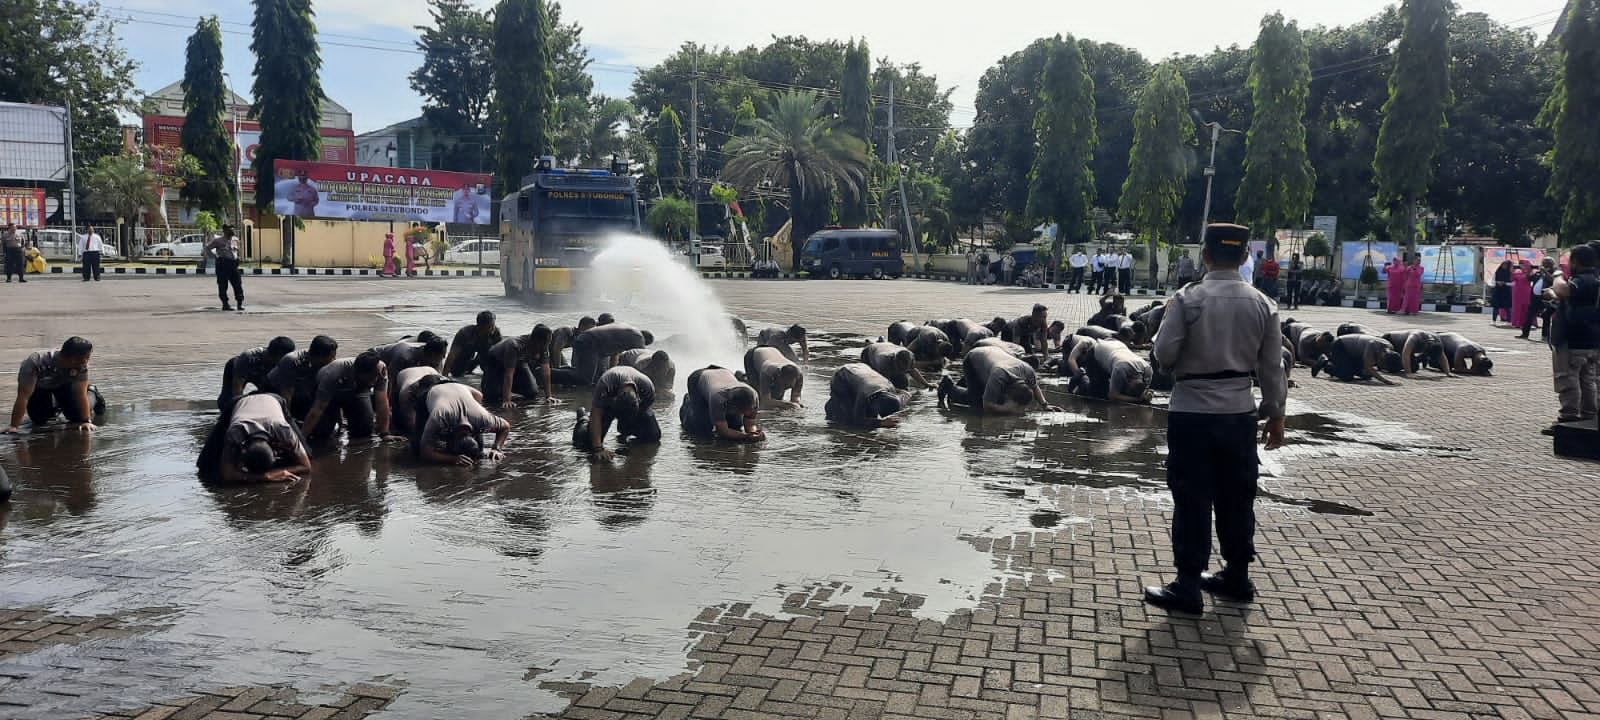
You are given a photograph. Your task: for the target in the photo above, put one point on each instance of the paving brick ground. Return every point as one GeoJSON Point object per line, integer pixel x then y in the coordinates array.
{"type": "Point", "coordinates": [1468, 592]}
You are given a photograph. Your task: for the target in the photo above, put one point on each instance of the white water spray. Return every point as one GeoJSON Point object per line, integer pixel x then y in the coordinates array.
{"type": "Point", "coordinates": [654, 290]}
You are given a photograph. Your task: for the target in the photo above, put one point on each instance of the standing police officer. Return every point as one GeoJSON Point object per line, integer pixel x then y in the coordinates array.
{"type": "Point", "coordinates": [1218, 333]}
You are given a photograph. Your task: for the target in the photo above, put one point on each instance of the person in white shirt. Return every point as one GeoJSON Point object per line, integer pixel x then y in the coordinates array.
{"type": "Point", "coordinates": [1078, 262]}
{"type": "Point", "coordinates": [1008, 266]}
{"type": "Point", "coordinates": [92, 245]}
{"type": "Point", "coordinates": [1097, 266]}
{"type": "Point", "coordinates": [1248, 270]}
{"type": "Point", "coordinates": [1125, 272]}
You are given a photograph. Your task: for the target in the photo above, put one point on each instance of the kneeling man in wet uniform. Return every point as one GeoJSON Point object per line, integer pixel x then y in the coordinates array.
{"type": "Point", "coordinates": [623, 395]}
{"type": "Point", "coordinates": [859, 395]}
{"type": "Point", "coordinates": [1359, 357]}
{"type": "Point", "coordinates": [784, 340]}
{"type": "Point", "coordinates": [772, 374]}
{"type": "Point", "coordinates": [295, 377]}
{"type": "Point", "coordinates": [931, 347]}
{"type": "Point", "coordinates": [252, 367]}
{"type": "Point", "coordinates": [595, 349]}
{"type": "Point", "coordinates": [1417, 349]}
{"type": "Point", "coordinates": [1108, 370]}
{"type": "Point", "coordinates": [1218, 333]}
{"type": "Point", "coordinates": [470, 344]}
{"type": "Point", "coordinates": [456, 421]}
{"type": "Point", "coordinates": [655, 364]}
{"type": "Point", "coordinates": [508, 368]}
{"type": "Point", "coordinates": [254, 441]}
{"type": "Point", "coordinates": [358, 390]}
{"type": "Point", "coordinates": [1466, 357]}
{"type": "Point", "coordinates": [56, 382]}
{"type": "Point", "coordinates": [994, 382]}
{"type": "Point", "coordinates": [719, 405]}
{"type": "Point", "coordinates": [895, 363]}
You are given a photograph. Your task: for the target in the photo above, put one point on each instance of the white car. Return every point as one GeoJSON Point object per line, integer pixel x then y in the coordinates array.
{"type": "Point", "coordinates": [711, 258]}
{"type": "Point", "coordinates": [67, 245]}
{"type": "Point", "coordinates": [185, 246]}
{"type": "Point", "coordinates": [467, 253]}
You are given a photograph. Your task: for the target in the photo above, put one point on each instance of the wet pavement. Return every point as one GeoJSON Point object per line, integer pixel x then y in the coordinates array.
{"type": "Point", "coordinates": [480, 592]}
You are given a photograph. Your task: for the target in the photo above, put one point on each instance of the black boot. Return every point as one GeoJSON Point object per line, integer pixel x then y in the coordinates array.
{"type": "Point", "coordinates": [1231, 583]}
{"type": "Point", "coordinates": [1178, 596]}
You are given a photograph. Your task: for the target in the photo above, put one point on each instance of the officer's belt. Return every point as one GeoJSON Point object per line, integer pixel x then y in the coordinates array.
{"type": "Point", "coordinates": [1223, 375]}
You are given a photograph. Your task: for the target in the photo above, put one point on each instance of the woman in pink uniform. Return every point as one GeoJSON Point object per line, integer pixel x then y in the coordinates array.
{"type": "Point", "coordinates": [1395, 272]}
{"type": "Point", "coordinates": [411, 258]}
{"type": "Point", "coordinates": [1521, 293]}
{"type": "Point", "coordinates": [389, 267]}
{"type": "Point", "coordinates": [1414, 285]}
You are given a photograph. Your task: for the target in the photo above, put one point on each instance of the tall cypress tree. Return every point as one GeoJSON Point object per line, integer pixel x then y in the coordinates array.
{"type": "Point", "coordinates": [287, 89]}
{"type": "Point", "coordinates": [1278, 179]}
{"type": "Point", "coordinates": [855, 95]}
{"type": "Point", "coordinates": [524, 86]}
{"type": "Point", "coordinates": [205, 133]}
{"type": "Point", "coordinates": [669, 151]}
{"type": "Point", "coordinates": [1571, 111]}
{"type": "Point", "coordinates": [1414, 116]}
{"type": "Point", "coordinates": [1061, 185]}
{"type": "Point", "coordinates": [1158, 166]}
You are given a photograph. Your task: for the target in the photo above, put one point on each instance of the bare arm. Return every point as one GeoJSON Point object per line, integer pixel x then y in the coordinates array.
{"type": "Point", "coordinates": [544, 379]}
{"type": "Point", "coordinates": [380, 407]}
{"type": "Point", "coordinates": [314, 416]}
{"type": "Point", "coordinates": [432, 455]}
{"type": "Point", "coordinates": [450, 357]}
{"type": "Point", "coordinates": [597, 438]}
{"type": "Point", "coordinates": [1405, 355]}
{"type": "Point", "coordinates": [83, 401]}
{"type": "Point", "coordinates": [20, 407]}
{"type": "Point", "coordinates": [794, 392]}
{"type": "Point", "coordinates": [506, 402]}
{"type": "Point", "coordinates": [917, 376]}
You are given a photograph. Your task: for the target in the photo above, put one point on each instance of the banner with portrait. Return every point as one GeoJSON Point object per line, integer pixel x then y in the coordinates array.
{"type": "Point", "coordinates": [352, 192]}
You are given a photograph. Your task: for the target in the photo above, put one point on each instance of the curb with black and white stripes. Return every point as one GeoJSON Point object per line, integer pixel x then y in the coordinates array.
{"type": "Point", "coordinates": [352, 272]}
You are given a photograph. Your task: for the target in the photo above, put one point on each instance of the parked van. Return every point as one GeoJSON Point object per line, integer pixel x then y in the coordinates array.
{"type": "Point", "coordinates": [837, 254]}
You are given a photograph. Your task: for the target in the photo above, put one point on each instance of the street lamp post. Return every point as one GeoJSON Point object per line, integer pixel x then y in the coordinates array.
{"type": "Point", "coordinates": [391, 153]}
{"type": "Point", "coordinates": [1211, 174]}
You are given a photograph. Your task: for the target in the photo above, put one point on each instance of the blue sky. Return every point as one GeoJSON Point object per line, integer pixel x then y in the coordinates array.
{"type": "Point", "coordinates": [368, 45]}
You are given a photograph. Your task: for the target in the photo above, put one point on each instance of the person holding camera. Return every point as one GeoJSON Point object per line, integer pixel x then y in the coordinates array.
{"type": "Point", "coordinates": [1575, 337]}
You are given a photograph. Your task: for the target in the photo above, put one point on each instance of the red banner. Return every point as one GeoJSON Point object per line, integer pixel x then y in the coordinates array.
{"type": "Point", "coordinates": [350, 192]}
{"type": "Point", "coordinates": [23, 207]}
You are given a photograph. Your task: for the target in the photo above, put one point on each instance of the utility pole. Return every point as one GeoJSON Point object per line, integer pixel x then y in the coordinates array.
{"type": "Point", "coordinates": [70, 196]}
{"type": "Point", "coordinates": [694, 138]}
{"type": "Point", "coordinates": [894, 162]}
{"type": "Point", "coordinates": [1211, 174]}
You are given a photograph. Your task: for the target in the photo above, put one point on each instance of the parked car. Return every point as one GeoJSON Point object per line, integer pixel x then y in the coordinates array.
{"type": "Point", "coordinates": [467, 253]}
{"type": "Point", "coordinates": [835, 254]}
{"type": "Point", "coordinates": [57, 244]}
{"type": "Point", "coordinates": [185, 246]}
{"type": "Point", "coordinates": [711, 257]}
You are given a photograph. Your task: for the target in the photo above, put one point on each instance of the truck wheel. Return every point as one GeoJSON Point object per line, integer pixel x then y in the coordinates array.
{"type": "Point", "coordinates": [877, 272]}
{"type": "Point", "coordinates": [834, 273]}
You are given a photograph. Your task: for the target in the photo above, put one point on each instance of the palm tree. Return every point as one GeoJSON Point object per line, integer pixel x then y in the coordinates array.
{"type": "Point", "coordinates": [798, 149]}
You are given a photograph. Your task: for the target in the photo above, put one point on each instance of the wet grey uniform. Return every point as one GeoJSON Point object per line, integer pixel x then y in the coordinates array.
{"type": "Point", "coordinates": [404, 386]}
{"type": "Point", "coordinates": [451, 405]}
{"type": "Point", "coordinates": [712, 394]}
{"type": "Point", "coordinates": [297, 375]}
{"type": "Point", "coordinates": [889, 360]}
{"type": "Point", "coordinates": [924, 345]}
{"type": "Point", "coordinates": [642, 426]}
{"type": "Point", "coordinates": [1017, 351]}
{"type": "Point", "coordinates": [1111, 364]}
{"type": "Point", "coordinates": [640, 359]}
{"type": "Point", "coordinates": [337, 385]}
{"type": "Point", "coordinates": [859, 395]}
{"type": "Point", "coordinates": [55, 390]}
{"type": "Point", "coordinates": [1096, 332]}
{"type": "Point", "coordinates": [898, 331]}
{"type": "Point", "coordinates": [252, 367]}
{"type": "Point", "coordinates": [1427, 348]}
{"type": "Point", "coordinates": [1024, 332]}
{"type": "Point", "coordinates": [259, 415]}
{"type": "Point", "coordinates": [401, 355]}
{"type": "Point", "coordinates": [1219, 332]}
{"type": "Point", "coordinates": [1309, 342]}
{"type": "Point", "coordinates": [763, 365]}
{"type": "Point", "coordinates": [1352, 354]}
{"type": "Point", "coordinates": [519, 354]}
{"type": "Point", "coordinates": [1457, 348]}
{"type": "Point", "coordinates": [470, 346]}
{"type": "Point", "coordinates": [592, 349]}
{"type": "Point", "coordinates": [777, 338]}
{"type": "Point", "coordinates": [988, 373]}
{"type": "Point", "coordinates": [1355, 329]}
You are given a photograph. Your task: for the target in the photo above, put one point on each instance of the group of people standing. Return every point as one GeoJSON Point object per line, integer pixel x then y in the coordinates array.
{"type": "Point", "coordinates": [412, 253]}
{"type": "Point", "coordinates": [1105, 271]}
{"type": "Point", "coordinates": [1518, 295]}
{"type": "Point", "coordinates": [1403, 284]}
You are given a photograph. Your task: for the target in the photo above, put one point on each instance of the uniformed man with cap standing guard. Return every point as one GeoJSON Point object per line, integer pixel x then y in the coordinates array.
{"type": "Point", "coordinates": [1217, 334]}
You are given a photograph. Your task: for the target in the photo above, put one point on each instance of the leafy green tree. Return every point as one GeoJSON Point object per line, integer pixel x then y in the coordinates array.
{"type": "Point", "coordinates": [670, 218]}
{"type": "Point", "coordinates": [1219, 92]}
{"type": "Point", "coordinates": [1491, 170]}
{"type": "Point", "coordinates": [123, 186]}
{"type": "Point", "coordinates": [287, 89]}
{"type": "Point", "coordinates": [797, 149]}
{"type": "Point", "coordinates": [456, 81]}
{"type": "Point", "coordinates": [855, 97]}
{"type": "Point", "coordinates": [1000, 145]}
{"type": "Point", "coordinates": [1062, 184]}
{"type": "Point", "coordinates": [1318, 247]}
{"type": "Point", "coordinates": [669, 151]}
{"type": "Point", "coordinates": [1278, 179]}
{"type": "Point", "coordinates": [524, 86]}
{"type": "Point", "coordinates": [68, 53]}
{"type": "Point", "coordinates": [744, 117]}
{"type": "Point", "coordinates": [1119, 74]}
{"type": "Point", "coordinates": [921, 109]}
{"type": "Point", "coordinates": [1158, 167]}
{"type": "Point", "coordinates": [1573, 107]}
{"type": "Point", "coordinates": [723, 86]}
{"type": "Point", "coordinates": [1414, 117]}
{"type": "Point", "coordinates": [1343, 114]}
{"type": "Point", "coordinates": [951, 168]}
{"type": "Point", "coordinates": [205, 134]}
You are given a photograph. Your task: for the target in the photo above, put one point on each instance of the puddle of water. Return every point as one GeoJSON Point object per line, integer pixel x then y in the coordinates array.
{"type": "Point", "coordinates": [460, 581]}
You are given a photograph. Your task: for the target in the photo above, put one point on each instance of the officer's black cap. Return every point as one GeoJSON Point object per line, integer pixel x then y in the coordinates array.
{"type": "Point", "coordinates": [1227, 236]}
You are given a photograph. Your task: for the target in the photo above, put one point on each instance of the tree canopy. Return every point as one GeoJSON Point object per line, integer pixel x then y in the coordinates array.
{"type": "Point", "coordinates": [287, 89]}
{"type": "Point", "coordinates": [1162, 155]}
{"type": "Point", "coordinates": [524, 87]}
{"type": "Point", "coordinates": [1278, 178]}
{"type": "Point", "coordinates": [1061, 185]}
{"type": "Point", "coordinates": [1575, 160]}
{"type": "Point", "coordinates": [205, 134]}
{"type": "Point", "coordinates": [1414, 116]}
